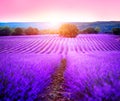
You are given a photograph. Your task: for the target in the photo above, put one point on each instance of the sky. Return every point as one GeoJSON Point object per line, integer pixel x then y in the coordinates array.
{"type": "Point", "coordinates": [59, 10]}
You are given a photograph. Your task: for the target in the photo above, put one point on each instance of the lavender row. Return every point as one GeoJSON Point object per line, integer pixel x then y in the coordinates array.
{"type": "Point", "coordinates": [24, 77]}
{"type": "Point", "coordinates": [93, 76]}
{"type": "Point", "coordinates": [58, 45]}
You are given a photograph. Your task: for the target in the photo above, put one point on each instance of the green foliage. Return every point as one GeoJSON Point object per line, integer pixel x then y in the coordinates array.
{"type": "Point", "coordinates": [116, 31]}
{"type": "Point", "coordinates": [91, 30]}
{"type": "Point", "coordinates": [18, 31]}
{"type": "Point", "coordinates": [97, 29]}
{"type": "Point", "coordinates": [68, 30]}
{"type": "Point", "coordinates": [31, 31]}
{"type": "Point", "coordinates": [5, 31]}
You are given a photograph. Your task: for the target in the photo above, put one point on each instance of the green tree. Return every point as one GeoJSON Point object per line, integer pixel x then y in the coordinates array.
{"type": "Point", "coordinates": [116, 31]}
{"type": "Point", "coordinates": [5, 31]}
{"type": "Point", "coordinates": [31, 31]}
{"type": "Point", "coordinates": [91, 30]}
{"type": "Point", "coordinates": [18, 31]}
{"type": "Point", "coordinates": [68, 30]}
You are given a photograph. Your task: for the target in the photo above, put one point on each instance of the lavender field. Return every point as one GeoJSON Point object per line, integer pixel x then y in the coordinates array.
{"type": "Point", "coordinates": [52, 68]}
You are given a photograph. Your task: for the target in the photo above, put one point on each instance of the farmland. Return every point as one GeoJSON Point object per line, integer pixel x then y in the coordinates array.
{"type": "Point", "coordinates": [91, 72]}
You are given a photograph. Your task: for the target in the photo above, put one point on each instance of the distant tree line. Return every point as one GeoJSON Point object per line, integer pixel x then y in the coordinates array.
{"type": "Point", "coordinates": [116, 31]}
{"type": "Point", "coordinates": [91, 30]}
{"type": "Point", "coordinates": [66, 30]}
{"type": "Point", "coordinates": [7, 31]}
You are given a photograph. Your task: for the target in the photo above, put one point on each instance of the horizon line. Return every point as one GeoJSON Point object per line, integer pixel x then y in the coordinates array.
{"type": "Point", "coordinates": [61, 21]}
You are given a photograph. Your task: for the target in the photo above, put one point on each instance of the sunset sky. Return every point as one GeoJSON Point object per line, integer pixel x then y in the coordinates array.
{"type": "Point", "coordinates": [59, 10]}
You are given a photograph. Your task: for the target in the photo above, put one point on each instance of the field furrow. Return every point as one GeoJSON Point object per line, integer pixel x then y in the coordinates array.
{"type": "Point", "coordinates": [85, 68]}
{"type": "Point", "coordinates": [55, 44]}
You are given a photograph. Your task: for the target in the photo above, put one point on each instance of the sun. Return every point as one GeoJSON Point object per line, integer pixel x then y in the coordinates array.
{"type": "Point", "coordinates": [53, 19]}
{"type": "Point", "coordinates": [55, 24]}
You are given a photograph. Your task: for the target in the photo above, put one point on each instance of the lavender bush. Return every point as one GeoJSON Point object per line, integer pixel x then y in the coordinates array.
{"type": "Point", "coordinates": [24, 76]}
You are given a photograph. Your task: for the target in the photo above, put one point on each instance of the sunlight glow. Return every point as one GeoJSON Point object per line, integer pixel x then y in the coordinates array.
{"type": "Point", "coordinates": [55, 24]}
{"type": "Point", "coordinates": [56, 18]}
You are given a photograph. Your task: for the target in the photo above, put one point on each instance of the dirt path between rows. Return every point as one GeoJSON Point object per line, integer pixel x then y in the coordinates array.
{"type": "Point", "coordinates": [56, 90]}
